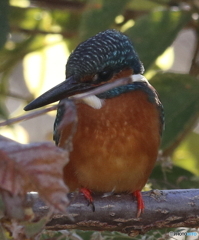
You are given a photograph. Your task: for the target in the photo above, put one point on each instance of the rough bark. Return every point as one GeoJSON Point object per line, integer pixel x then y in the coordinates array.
{"type": "Point", "coordinates": [163, 209]}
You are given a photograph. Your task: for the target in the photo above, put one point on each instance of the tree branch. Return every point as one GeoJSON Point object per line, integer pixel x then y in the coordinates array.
{"type": "Point", "coordinates": [163, 209]}
{"type": "Point", "coordinates": [62, 4]}
{"type": "Point", "coordinates": [65, 34]}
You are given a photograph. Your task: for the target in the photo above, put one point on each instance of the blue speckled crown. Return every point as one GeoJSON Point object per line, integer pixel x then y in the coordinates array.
{"type": "Point", "coordinates": [106, 50]}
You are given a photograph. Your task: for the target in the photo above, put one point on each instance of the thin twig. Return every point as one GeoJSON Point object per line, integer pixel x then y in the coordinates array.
{"type": "Point", "coordinates": [14, 95]}
{"type": "Point", "coordinates": [39, 31]}
{"type": "Point", "coordinates": [103, 88]}
{"type": "Point", "coordinates": [28, 116]}
{"type": "Point", "coordinates": [96, 91]}
{"type": "Point", "coordinates": [59, 4]}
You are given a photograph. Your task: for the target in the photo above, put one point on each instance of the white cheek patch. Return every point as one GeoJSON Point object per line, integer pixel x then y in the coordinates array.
{"type": "Point", "coordinates": [138, 78]}
{"type": "Point", "coordinates": [91, 100]}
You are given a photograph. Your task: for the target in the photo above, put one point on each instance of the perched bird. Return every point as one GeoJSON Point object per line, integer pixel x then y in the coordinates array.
{"type": "Point", "coordinates": [118, 135]}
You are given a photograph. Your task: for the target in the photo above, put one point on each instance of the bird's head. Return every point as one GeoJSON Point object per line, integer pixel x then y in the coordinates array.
{"type": "Point", "coordinates": [105, 57]}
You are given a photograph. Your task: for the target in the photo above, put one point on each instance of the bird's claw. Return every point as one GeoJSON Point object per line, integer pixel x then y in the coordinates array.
{"type": "Point", "coordinates": [87, 194]}
{"type": "Point", "coordinates": [140, 202]}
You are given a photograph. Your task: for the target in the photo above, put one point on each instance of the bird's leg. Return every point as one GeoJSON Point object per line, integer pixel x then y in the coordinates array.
{"type": "Point", "coordinates": [140, 202]}
{"type": "Point", "coordinates": [87, 194]}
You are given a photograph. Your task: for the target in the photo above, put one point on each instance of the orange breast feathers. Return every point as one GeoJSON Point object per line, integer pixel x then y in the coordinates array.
{"type": "Point", "coordinates": [115, 147]}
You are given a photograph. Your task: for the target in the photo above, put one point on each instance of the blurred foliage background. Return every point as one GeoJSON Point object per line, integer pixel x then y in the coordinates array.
{"type": "Point", "coordinates": [37, 37]}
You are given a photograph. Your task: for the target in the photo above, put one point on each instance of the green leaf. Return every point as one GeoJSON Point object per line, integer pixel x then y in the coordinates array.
{"type": "Point", "coordinates": [3, 109]}
{"type": "Point", "coordinates": [2, 208]}
{"type": "Point", "coordinates": [152, 34]}
{"type": "Point", "coordinates": [179, 95]}
{"type": "Point", "coordinates": [31, 229]}
{"type": "Point", "coordinates": [67, 20]}
{"type": "Point", "coordinates": [2, 235]}
{"type": "Point", "coordinates": [142, 5]}
{"type": "Point", "coordinates": [27, 18]}
{"type": "Point", "coordinates": [3, 22]}
{"type": "Point", "coordinates": [187, 154]}
{"type": "Point", "coordinates": [99, 16]}
{"type": "Point", "coordinates": [175, 178]}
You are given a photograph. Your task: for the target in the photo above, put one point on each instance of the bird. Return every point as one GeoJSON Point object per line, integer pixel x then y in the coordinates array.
{"type": "Point", "coordinates": [119, 131]}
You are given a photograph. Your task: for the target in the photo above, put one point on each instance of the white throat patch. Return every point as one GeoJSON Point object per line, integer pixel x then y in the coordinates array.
{"type": "Point", "coordinates": [91, 100]}
{"type": "Point", "coordinates": [138, 78]}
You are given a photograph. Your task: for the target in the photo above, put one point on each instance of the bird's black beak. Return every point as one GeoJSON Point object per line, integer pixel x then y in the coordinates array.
{"type": "Point", "coordinates": [69, 87]}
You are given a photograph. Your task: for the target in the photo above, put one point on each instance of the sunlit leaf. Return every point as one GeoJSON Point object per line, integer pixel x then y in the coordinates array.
{"type": "Point", "coordinates": [187, 154]}
{"type": "Point", "coordinates": [166, 60]}
{"type": "Point", "coordinates": [179, 95]}
{"type": "Point", "coordinates": [30, 19]}
{"type": "Point", "coordinates": [49, 65]}
{"type": "Point", "coordinates": [10, 57]}
{"type": "Point", "coordinates": [99, 16]}
{"type": "Point", "coordinates": [3, 21]}
{"type": "Point", "coordinates": [15, 132]}
{"type": "Point", "coordinates": [152, 34]}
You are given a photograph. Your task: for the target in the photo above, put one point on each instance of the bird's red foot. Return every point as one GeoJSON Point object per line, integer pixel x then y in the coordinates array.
{"type": "Point", "coordinates": [87, 194]}
{"type": "Point", "coordinates": [140, 202]}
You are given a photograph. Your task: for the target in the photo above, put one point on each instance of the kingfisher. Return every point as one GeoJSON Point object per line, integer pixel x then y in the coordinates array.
{"type": "Point", "coordinates": [118, 135]}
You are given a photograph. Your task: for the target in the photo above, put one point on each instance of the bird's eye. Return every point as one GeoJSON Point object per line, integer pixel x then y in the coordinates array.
{"type": "Point", "coordinates": [103, 76]}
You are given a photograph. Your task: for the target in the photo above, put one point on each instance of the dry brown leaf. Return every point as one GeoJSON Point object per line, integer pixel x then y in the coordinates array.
{"type": "Point", "coordinates": [68, 123]}
{"type": "Point", "coordinates": [34, 167]}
